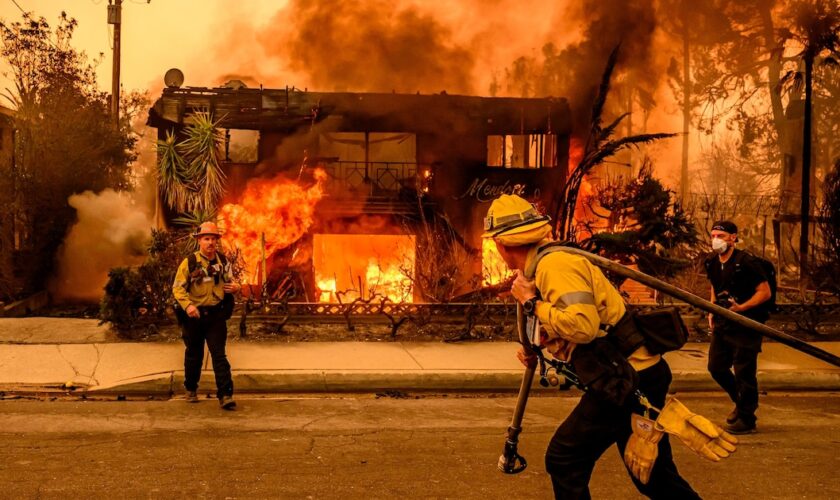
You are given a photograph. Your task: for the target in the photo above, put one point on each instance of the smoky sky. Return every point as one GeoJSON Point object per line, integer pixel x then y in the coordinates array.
{"type": "Point", "coordinates": [574, 71]}
{"type": "Point", "coordinates": [376, 46]}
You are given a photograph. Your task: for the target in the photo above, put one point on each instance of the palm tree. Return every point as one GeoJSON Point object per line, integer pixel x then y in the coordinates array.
{"type": "Point", "coordinates": [599, 147]}
{"type": "Point", "coordinates": [816, 27]}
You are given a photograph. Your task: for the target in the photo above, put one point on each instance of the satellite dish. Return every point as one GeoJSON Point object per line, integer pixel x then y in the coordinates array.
{"type": "Point", "coordinates": [173, 78]}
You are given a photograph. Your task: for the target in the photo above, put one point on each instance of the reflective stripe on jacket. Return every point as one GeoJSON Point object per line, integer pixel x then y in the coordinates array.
{"type": "Point", "coordinates": [576, 300]}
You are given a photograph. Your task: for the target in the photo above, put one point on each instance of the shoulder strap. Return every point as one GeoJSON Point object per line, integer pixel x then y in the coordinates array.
{"type": "Point", "coordinates": [554, 246]}
{"type": "Point", "coordinates": [192, 262]}
{"type": "Point", "coordinates": [738, 256]}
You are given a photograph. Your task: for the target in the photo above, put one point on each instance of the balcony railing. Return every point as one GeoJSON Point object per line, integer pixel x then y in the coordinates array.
{"type": "Point", "coordinates": [374, 178]}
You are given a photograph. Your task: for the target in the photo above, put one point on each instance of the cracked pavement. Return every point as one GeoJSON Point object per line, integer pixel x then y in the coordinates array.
{"type": "Point", "coordinates": [423, 446]}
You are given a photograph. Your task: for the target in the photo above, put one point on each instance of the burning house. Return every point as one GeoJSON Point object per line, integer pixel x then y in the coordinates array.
{"type": "Point", "coordinates": [341, 194]}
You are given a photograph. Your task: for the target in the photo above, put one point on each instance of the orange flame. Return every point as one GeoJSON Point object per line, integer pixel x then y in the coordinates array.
{"type": "Point", "coordinates": [326, 290]}
{"type": "Point", "coordinates": [279, 208]}
{"type": "Point", "coordinates": [582, 211]}
{"type": "Point", "coordinates": [575, 153]}
{"type": "Point", "coordinates": [389, 282]}
{"type": "Point", "coordinates": [493, 266]}
{"type": "Point", "coordinates": [381, 265]}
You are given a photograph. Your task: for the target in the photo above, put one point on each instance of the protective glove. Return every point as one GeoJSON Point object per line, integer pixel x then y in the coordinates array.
{"type": "Point", "coordinates": [695, 431]}
{"type": "Point", "coordinates": [642, 447]}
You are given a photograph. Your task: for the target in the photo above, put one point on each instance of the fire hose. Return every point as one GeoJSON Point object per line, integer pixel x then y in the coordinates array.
{"type": "Point", "coordinates": [510, 462]}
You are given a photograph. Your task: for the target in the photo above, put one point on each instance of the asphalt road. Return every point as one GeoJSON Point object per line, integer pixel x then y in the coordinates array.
{"type": "Point", "coordinates": [366, 447]}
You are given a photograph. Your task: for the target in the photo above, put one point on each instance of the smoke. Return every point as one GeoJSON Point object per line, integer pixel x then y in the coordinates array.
{"type": "Point", "coordinates": [526, 48]}
{"type": "Point", "coordinates": [574, 71]}
{"type": "Point", "coordinates": [110, 231]}
{"type": "Point", "coordinates": [405, 46]}
{"type": "Point", "coordinates": [375, 46]}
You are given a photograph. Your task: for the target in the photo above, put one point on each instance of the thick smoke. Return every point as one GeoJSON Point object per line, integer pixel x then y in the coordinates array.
{"type": "Point", "coordinates": [111, 231]}
{"type": "Point", "coordinates": [405, 46]}
{"type": "Point", "coordinates": [374, 46]}
{"type": "Point", "coordinates": [574, 71]}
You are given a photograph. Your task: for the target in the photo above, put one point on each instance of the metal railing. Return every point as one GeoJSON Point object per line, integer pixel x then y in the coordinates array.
{"type": "Point", "coordinates": [373, 178]}
{"type": "Point", "coordinates": [728, 205]}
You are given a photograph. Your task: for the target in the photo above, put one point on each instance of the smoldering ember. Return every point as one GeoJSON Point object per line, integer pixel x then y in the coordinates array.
{"type": "Point", "coordinates": [402, 221]}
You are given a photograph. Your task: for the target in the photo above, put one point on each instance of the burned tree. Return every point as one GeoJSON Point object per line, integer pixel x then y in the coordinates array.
{"type": "Point", "coordinates": [599, 146]}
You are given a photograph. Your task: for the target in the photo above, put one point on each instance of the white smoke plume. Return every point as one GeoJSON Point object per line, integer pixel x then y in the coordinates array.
{"type": "Point", "coordinates": [112, 230]}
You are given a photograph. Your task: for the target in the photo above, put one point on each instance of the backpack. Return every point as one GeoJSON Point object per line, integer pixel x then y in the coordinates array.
{"type": "Point", "coordinates": [770, 272]}
{"type": "Point", "coordinates": [661, 329]}
{"type": "Point", "coordinates": [227, 302]}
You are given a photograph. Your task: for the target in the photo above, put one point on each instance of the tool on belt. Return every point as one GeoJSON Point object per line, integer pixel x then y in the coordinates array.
{"type": "Point", "coordinates": [527, 326]}
{"type": "Point", "coordinates": [695, 431]}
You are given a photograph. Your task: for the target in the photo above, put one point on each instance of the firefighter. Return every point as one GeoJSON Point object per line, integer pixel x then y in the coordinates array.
{"type": "Point", "coordinates": [576, 304]}
{"type": "Point", "coordinates": [203, 290]}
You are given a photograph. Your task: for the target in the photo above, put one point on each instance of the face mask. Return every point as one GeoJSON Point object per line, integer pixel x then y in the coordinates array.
{"type": "Point", "coordinates": [719, 246]}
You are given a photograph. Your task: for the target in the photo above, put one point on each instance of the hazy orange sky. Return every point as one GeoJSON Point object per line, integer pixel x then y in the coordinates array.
{"type": "Point", "coordinates": [191, 34]}
{"type": "Point", "coordinates": [156, 36]}
{"type": "Point", "coordinates": [209, 40]}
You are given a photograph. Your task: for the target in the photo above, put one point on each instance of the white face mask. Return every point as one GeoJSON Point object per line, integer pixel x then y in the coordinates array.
{"type": "Point", "coordinates": [719, 246]}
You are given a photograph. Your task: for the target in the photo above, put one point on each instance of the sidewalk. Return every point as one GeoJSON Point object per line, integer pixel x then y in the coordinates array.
{"type": "Point", "coordinates": [34, 362]}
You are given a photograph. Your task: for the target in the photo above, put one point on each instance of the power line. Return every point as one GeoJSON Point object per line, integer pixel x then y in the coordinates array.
{"type": "Point", "coordinates": [20, 8]}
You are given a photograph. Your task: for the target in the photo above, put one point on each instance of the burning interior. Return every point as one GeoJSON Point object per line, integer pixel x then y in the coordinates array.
{"type": "Point", "coordinates": [335, 197]}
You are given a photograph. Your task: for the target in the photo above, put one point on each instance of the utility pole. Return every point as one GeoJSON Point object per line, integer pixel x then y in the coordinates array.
{"type": "Point", "coordinates": [115, 18]}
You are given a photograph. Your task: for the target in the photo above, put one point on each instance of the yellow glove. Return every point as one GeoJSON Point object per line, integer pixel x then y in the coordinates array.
{"type": "Point", "coordinates": [642, 447]}
{"type": "Point", "coordinates": [695, 431]}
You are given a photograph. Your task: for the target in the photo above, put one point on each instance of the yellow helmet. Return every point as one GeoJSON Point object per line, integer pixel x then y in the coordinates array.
{"type": "Point", "coordinates": [510, 214]}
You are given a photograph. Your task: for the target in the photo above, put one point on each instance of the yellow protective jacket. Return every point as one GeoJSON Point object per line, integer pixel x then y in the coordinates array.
{"type": "Point", "coordinates": [202, 289]}
{"type": "Point", "coordinates": [576, 300]}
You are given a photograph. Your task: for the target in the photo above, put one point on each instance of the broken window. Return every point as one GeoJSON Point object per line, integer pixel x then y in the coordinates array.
{"type": "Point", "coordinates": [241, 145]}
{"type": "Point", "coordinates": [522, 151]}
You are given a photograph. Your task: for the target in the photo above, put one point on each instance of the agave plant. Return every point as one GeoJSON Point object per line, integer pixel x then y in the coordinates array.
{"type": "Point", "coordinates": [172, 174]}
{"type": "Point", "coordinates": [200, 148]}
{"type": "Point", "coordinates": [190, 175]}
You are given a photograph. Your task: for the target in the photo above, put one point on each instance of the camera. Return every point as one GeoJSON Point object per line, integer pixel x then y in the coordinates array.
{"type": "Point", "coordinates": [723, 299]}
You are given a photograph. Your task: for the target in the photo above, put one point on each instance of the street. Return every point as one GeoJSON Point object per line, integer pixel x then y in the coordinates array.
{"type": "Point", "coordinates": [360, 446]}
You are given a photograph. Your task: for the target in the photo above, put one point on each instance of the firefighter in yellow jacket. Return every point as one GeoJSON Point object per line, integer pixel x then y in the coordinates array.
{"type": "Point", "coordinates": [203, 289]}
{"type": "Point", "coordinates": [576, 305]}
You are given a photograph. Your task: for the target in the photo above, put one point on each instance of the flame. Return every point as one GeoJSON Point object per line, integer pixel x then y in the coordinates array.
{"type": "Point", "coordinates": [363, 266]}
{"type": "Point", "coordinates": [493, 266]}
{"type": "Point", "coordinates": [389, 282]}
{"type": "Point", "coordinates": [326, 290]}
{"type": "Point", "coordinates": [280, 208]}
{"type": "Point", "coordinates": [582, 211]}
{"type": "Point", "coordinates": [575, 152]}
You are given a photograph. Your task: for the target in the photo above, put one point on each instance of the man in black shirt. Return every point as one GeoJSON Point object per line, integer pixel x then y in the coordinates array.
{"type": "Point", "coordinates": [739, 284]}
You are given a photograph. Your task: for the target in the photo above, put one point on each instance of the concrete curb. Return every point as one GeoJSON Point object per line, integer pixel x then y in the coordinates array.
{"type": "Point", "coordinates": [322, 381]}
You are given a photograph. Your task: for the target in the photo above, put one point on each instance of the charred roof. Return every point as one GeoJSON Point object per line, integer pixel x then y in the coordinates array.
{"type": "Point", "coordinates": [292, 109]}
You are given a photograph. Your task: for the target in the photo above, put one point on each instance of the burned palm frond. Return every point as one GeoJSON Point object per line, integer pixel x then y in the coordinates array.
{"type": "Point", "coordinates": [590, 160]}
{"type": "Point", "coordinates": [601, 99]}
{"type": "Point", "coordinates": [598, 148]}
